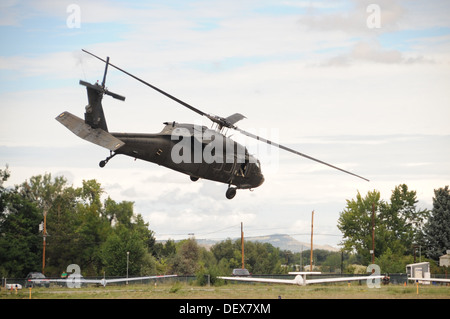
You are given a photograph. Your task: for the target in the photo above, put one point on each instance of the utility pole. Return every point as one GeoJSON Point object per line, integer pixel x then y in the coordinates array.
{"type": "Point", "coordinates": [44, 235]}
{"type": "Point", "coordinates": [373, 233]}
{"type": "Point", "coordinates": [301, 258]}
{"type": "Point", "coordinates": [242, 243]}
{"type": "Point", "coordinates": [128, 260]}
{"type": "Point", "coordinates": [312, 227]}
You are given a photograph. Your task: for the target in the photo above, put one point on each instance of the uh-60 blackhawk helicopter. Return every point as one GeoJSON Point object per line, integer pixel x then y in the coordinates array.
{"type": "Point", "coordinates": [191, 149]}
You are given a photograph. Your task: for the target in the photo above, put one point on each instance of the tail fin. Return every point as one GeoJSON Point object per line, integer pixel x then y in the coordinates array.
{"type": "Point", "coordinates": [94, 115]}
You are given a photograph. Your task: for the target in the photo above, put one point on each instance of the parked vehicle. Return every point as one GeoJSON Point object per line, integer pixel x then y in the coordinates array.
{"type": "Point", "coordinates": [36, 279]}
{"type": "Point", "coordinates": [240, 272]}
{"type": "Point", "coordinates": [13, 286]}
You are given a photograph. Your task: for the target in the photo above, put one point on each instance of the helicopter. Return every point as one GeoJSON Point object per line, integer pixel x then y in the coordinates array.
{"type": "Point", "coordinates": [195, 150]}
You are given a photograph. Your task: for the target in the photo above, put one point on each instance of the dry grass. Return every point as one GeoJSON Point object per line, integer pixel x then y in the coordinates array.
{"type": "Point", "coordinates": [234, 291]}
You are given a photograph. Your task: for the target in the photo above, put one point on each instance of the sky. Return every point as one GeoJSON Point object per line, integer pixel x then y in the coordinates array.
{"type": "Point", "coordinates": [363, 85]}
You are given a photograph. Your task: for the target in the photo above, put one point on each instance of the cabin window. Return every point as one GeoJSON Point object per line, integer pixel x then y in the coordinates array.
{"type": "Point", "coordinates": [242, 169]}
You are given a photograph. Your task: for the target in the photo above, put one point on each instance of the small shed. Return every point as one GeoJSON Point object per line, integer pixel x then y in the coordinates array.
{"type": "Point", "coordinates": [418, 270]}
{"type": "Point", "coordinates": [444, 260]}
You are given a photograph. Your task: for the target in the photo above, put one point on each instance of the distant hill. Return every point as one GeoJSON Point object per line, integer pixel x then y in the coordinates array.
{"type": "Point", "coordinates": [282, 241]}
{"type": "Point", "coordinates": [286, 242]}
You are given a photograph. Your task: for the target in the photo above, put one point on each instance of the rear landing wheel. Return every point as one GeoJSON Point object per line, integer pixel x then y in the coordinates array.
{"type": "Point", "coordinates": [106, 160]}
{"type": "Point", "coordinates": [231, 192]}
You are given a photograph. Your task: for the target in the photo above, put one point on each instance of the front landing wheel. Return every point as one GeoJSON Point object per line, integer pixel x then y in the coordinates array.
{"type": "Point", "coordinates": [231, 192]}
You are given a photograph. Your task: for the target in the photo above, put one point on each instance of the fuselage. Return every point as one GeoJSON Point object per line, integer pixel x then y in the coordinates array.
{"type": "Point", "coordinates": [196, 151]}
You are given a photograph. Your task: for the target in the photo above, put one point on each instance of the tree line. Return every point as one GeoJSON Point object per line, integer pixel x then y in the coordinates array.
{"type": "Point", "coordinates": [106, 237]}
{"type": "Point", "coordinates": [396, 230]}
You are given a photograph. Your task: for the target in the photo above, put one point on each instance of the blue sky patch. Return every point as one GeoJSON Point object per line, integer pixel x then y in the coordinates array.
{"type": "Point", "coordinates": [403, 40]}
{"type": "Point", "coordinates": [52, 35]}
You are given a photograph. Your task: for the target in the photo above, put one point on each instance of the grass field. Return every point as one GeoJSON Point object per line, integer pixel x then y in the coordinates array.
{"type": "Point", "coordinates": [233, 291]}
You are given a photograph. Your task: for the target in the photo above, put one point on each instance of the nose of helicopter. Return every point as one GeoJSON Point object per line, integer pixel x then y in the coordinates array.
{"type": "Point", "coordinates": [259, 177]}
{"type": "Point", "coordinates": [261, 180]}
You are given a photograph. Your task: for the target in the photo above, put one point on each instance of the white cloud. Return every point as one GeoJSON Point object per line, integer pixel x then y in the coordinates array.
{"type": "Point", "coordinates": [380, 116]}
{"type": "Point", "coordinates": [353, 20]}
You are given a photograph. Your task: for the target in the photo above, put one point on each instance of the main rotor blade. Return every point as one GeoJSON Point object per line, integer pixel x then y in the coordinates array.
{"type": "Point", "coordinates": [295, 152]}
{"type": "Point", "coordinates": [152, 86]}
{"type": "Point", "coordinates": [218, 120]}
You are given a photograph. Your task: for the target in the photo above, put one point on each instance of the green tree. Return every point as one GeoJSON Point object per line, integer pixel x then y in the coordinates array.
{"type": "Point", "coordinates": [142, 229]}
{"type": "Point", "coordinates": [43, 190]}
{"type": "Point", "coordinates": [56, 203]}
{"type": "Point", "coordinates": [401, 220]}
{"type": "Point", "coordinates": [81, 229]}
{"type": "Point", "coordinates": [62, 220]}
{"type": "Point", "coordinates": [92, 229]}
{"type": "Point", "coordinates": [129, 236]}
{"type": "Point", "coordinates": [355, 222]}
{"type": "Point", "coordinates": [332, 262]}
{"type": "Point", "coordinates": [262, 258]}
{"type": "Point", "coordinates": [389, 262]}
{"type": "Point", "coordinates": [119, 212]}
{"type": "Point", "coordinates": [4, 175]}
{"type": "Point", "coordinates": [437, 230]}
{"type": "Point", "coordinates": [125, 243]}
{"type": "Point", "coordinates": [185, 262]}
{"type": "Point", "coordinates": [170, 248]}
{"type": "Point", "coordinates": [228, 255]}
{"type": "Point", "coordinates": [166, 249]}
{"type": "Point", "coordinates": [397, 223]}
{"type": "Point", "coordinates": [224, 249]}
{"type": "Point", "coordinates": [259, 258]}
{"type": "Point", "coordinates": [20, 242]}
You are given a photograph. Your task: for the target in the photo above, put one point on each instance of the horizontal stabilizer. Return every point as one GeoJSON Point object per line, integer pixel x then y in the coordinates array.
{"type": "Point", "coordinates": [86, 132]}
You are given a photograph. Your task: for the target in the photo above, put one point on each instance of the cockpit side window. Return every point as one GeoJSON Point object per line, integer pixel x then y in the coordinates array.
{"type": "Point", "coordinates": [242, 169]}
